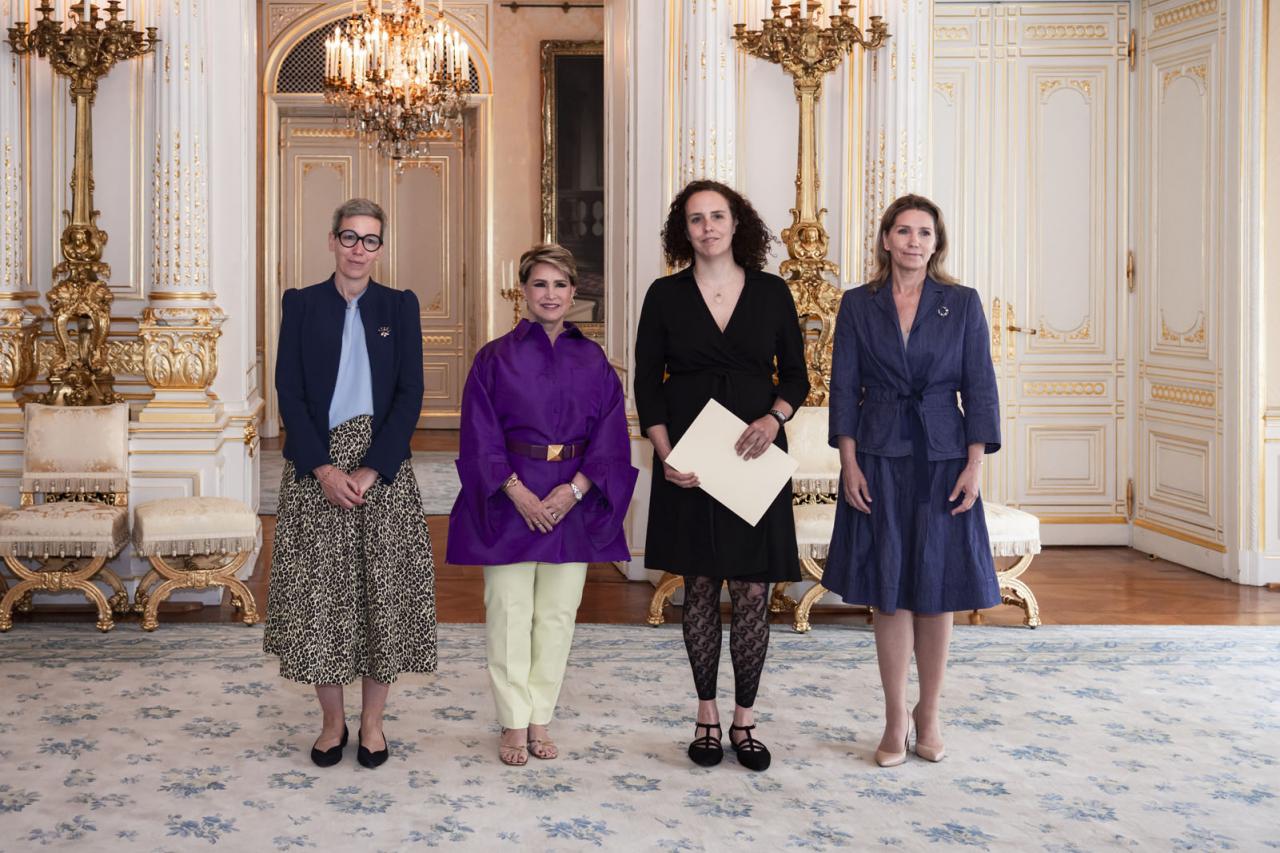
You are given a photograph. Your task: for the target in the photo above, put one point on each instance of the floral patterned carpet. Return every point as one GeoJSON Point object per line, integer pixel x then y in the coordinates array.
{"type": "Point", "coordinates": [1062, 739]}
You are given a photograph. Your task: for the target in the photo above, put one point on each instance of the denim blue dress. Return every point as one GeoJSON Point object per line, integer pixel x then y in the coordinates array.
{"type": "Point", "coordinates": [898, 400]}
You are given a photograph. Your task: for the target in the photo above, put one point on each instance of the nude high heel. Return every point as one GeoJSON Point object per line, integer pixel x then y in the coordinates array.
{"type": "Point", "coordinates": [928, 753]}
{"type": "Point", "coordinates": [893, 759]}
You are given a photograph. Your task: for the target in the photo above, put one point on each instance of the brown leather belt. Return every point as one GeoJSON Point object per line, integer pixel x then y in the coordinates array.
{"type": "Point", "coordinates": [549, 452]}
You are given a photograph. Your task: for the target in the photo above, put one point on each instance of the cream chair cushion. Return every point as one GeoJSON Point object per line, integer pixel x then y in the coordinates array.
{"type": "Point", "coordinates": [76, 448]}
{"type": "Point", "coordinates": [64, 529]}
{"type": "Point", "coordinates": [819, 463]}
{"type": "Point", "coordinates": [1013, 533]}
{"type": "Point", "coordinates": [196, 525]}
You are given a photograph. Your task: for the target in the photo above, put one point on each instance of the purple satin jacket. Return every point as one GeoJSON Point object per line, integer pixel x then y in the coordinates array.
{"type": "Point", "coordinates": [523, 389]}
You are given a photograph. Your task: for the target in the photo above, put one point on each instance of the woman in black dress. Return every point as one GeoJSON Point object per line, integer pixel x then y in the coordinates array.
{"type": "Point", "coordinates": [715, 330]}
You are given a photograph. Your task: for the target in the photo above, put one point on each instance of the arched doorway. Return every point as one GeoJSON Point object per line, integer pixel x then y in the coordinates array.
{"type": "Point", "coordinates": [437, 239]}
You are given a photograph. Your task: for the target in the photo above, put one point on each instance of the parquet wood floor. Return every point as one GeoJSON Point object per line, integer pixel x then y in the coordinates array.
{"type": "Point", "coordinates": [1075, 586]}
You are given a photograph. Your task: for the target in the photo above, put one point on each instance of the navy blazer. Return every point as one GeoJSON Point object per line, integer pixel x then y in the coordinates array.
{"type": "Point", "coordinates": [307, 371]}
{"type": "Point", "coordinates": [885, 395]}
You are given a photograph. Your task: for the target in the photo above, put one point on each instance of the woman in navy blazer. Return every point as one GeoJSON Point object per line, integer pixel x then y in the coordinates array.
{"type": "Point", "coordinates": [910, 538]}
{"type": "Point", "coordinates": [352, 585]}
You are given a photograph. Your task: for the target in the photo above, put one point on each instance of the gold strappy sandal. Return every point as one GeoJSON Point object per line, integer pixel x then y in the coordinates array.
{"type": "Point", "coordinates": [513, 756]}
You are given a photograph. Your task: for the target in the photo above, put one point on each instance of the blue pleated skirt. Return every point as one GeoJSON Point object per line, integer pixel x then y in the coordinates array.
{"type": "Point", "coordinates": [911, 555]}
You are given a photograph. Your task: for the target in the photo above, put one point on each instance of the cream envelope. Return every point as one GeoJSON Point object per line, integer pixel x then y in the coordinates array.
{"type": "Point", "coordinates": [745, 486]}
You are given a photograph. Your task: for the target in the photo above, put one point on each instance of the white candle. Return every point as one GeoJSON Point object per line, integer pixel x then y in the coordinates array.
{"type": "Point", "coordinates": [84, 16]}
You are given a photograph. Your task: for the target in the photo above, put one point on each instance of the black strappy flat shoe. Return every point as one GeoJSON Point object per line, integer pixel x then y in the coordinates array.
{"type": "Point", "coordinates": [369, 758]}
{"type": "Point", "coordinates": [752, 754]}
{"type": "Point", "coordinates": [706, 751]}
{"type": "Point", "coordinates": [333, 754]}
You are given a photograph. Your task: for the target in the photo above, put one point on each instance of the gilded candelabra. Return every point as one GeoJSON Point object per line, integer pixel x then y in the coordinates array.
{"type": "Point", "coordinates": [807, 49]}
{"type": "Point", "coordinates": [80, 299]}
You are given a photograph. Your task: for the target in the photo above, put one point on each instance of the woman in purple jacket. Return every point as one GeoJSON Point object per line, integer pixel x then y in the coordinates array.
{"type": "Point", "coordinates": [910, 539]}
{"type": "Point", "coordinates": [545, 465]}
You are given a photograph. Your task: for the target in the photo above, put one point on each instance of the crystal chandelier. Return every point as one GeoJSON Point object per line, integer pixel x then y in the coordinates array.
{"type": "Point", "coordinates": [402, 75]}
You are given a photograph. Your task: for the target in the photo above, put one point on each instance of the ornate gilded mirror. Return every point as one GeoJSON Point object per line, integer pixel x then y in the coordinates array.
{"type": "Point", "coordinates": [573, 168]}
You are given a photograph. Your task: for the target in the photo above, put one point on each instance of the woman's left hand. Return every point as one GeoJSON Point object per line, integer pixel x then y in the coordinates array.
{"type": "Point", "coordinates": [757, 437]}
{"type": "Point", "coordinates": [559, 501]}
{"type": "Point", "coordinates": [969, 483]}
{"type": "Point", "coordinates": [364, 478]}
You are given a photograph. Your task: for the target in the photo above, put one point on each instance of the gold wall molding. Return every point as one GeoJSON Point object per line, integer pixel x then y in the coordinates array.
{"type": "Point", "coordinates": [1083, 332]}
{"type": "Point", "coordinates": [946, 90]}
{"type": "Point", "coordinates": [124, 355]}
{"type": "Point", "coordinates": [1201, 398]}
{"type": "Point", "coordinates": [1182, 535]}
{"type": "Point", "coordinates": [1048, 87]}
{"type": "Point", "coordinates": [322, 133]}
{"type": "Point", "coordinates": [1195, 335]}
{"type": "Point", "coordinates": [195, 296]}
{"type": "Point", "coordinates": [1184, 13]}
{"type": "Point", "coordinates": [951, 33]}
{"type": "Point", "coordinates": [1066, 32]}
{"type": "Point", "coordinates": [1199, 74]}
{"type": "Point", "coordinates": [1064, 389]}
{"type": "Point", "coordinates": [180, 347]}
{"type": "Point", "coordinates": [281, 15]}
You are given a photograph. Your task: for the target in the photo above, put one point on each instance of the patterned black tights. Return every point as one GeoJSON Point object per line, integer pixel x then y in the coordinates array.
{"type": "Point", "coordinates": [748, 635]}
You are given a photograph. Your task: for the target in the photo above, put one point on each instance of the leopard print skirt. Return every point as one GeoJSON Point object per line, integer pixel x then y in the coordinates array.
{"type": "Point", "coordinates": [352, 591]}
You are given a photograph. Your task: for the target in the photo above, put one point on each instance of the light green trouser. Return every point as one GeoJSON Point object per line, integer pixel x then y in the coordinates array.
{"type": "Point", "coordinates": [530, 610]}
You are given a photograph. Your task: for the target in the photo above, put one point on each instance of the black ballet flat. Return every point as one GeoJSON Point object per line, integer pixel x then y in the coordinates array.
{"type": "Point", "coordinates": [706, 751]}
{"type": "Point", "coordinates": [372, 759]}
{"type": "Point", "coordinates": [752, 754]}
{"type": "Point", "coordinates": [333, 754]}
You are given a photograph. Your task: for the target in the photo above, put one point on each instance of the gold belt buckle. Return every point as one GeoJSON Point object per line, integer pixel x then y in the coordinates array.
{"type": "Point", "coordinates": [555, 452]}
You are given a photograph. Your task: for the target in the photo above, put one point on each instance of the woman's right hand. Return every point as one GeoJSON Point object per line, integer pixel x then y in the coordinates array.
{"type": "Point", "coordinates": [684, 481]}
{"type": "Point", "coordinates": [856, 492]}
{"type": "Point", "coordinates": [338, 486]}
{"type": "Point", "coordinates": [535, 514]}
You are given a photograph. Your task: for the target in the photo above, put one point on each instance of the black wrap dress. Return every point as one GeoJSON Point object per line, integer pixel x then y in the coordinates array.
{"type": "Point", "coordinates": [682, 361]}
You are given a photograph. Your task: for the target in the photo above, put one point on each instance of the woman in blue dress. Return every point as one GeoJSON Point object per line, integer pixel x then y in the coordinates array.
{"type": "Point", "coordinates": [910, 538]}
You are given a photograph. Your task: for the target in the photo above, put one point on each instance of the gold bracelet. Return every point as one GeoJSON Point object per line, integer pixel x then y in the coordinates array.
{"type": "Point", "coordinates": [511, 481]}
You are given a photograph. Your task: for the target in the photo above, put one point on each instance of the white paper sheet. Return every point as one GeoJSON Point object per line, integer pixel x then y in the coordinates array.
{"type": "Point", "coordinates": [745, 486]}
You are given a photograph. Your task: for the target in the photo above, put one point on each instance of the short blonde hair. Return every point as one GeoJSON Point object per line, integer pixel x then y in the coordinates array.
{"type": "Point", "coordinates": [549, 253]}
{"type": "Point", "coordinates": [360, 207]}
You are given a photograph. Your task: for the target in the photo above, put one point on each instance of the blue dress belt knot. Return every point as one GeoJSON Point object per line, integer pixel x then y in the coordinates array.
{"type": "Point", "coordinates": [911, 427]}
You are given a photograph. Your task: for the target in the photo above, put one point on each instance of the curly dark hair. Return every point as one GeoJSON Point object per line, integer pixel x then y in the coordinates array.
{"type": "Point", "coordinates": [751, 239]}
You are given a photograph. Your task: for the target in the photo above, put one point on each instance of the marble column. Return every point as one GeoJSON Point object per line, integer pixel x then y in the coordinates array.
{"type": "Point", "coordinates": [708, 92]}
{"type": "Point", "coordinates": [896, 144]}
{"type": "Point", "coordinates": [182, 322]}
{"type": "Point", "coordinates": [19, 313]}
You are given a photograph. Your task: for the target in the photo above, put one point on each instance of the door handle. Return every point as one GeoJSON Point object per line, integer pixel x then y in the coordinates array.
{"type": "Point", "coordinates": [1014, 328]}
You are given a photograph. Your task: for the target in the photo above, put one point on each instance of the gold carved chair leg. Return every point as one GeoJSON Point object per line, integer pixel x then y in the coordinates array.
{"type": "Point", "coordinates": [1014, 591]}
{"type": "Point", "coordinates": [58, 579]}
{"type": "Point", "coordinates": [196, 574]}
{"type": "Point", "coordinates": [666, 588]}
{"type": "Point", "coordinates": [812, 570]}
{"type": "Point", "coordinates": [142, 594]}
{"type": "Point", "coordinates": [119, 600]}
{"type": "Point", "coordinates": [779, 601]}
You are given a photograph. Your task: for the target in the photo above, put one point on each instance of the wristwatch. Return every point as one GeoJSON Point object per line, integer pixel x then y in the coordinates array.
{"type": "Point", "coordinates": [777, 413]}
{"type": "Point", "coordinates": [577, 493]}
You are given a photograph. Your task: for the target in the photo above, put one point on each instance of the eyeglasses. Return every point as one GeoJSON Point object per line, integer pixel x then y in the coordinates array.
{"type": "Point", "coordinates": [348, 238]}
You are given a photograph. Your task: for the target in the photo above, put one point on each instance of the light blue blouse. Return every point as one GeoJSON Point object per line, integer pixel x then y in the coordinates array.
{"type": "Point", "coordinates": [353, 392]}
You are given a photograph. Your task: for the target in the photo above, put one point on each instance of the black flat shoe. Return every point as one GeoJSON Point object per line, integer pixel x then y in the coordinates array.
{"type": "Point", "coordinates": [706, 751]}
{"type": "Point", "coordinates": [333, 754]}
{"type": "Point", "coordinates": [372, 759]}
{"type": "Point", "coordinates": [752, 754]}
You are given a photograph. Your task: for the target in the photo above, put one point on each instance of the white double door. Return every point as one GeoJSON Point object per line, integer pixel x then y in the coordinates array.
{"type": "Point", "coordinates": [1077, 191]}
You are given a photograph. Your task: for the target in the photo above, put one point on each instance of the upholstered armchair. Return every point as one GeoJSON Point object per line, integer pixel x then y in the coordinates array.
{"type": "Point", "coordinates": [76, 460]}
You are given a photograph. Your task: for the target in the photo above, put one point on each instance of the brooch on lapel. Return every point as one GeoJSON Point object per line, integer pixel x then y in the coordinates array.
{"type": "Point", "coordinates": [385, 331]}
{"type": "Point", "coordinates": [943, 310]}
